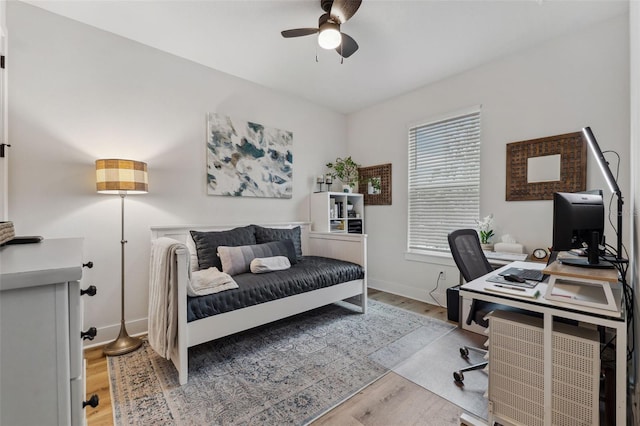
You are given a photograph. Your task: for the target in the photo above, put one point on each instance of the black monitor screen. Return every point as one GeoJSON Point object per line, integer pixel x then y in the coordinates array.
{"type": "Point", "coordinates": [575, 217]}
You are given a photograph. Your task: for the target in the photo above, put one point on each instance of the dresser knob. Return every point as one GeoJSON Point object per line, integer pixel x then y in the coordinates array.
{"type": "Point", "coordinates": [90, 334]}
{"type": "Point", "coordinates": [92, 402]}
{"type": "Point", "coordinates": [88, 265]}
{"type": "Point", "coordinates": [90, 291]}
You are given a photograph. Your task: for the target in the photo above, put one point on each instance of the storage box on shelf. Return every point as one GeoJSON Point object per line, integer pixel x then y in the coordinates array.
{"type": "Point", "coordinates": [339, 212]}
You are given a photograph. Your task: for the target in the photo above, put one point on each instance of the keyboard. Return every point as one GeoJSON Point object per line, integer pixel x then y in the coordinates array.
{"type": "Point", "coordinates": [527, 274]}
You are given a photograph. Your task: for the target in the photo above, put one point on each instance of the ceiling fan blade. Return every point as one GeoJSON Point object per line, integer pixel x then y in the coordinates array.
{"type": "Point", "coordinates": [342, 10]}
{"type": "Point", "coordinates": [348, 46]}
{"type": "Point", "coordinates": [299, 32]}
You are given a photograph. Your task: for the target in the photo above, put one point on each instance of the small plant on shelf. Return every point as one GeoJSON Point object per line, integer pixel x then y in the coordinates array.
{"type": "Point", "coordinates": [346, 170]}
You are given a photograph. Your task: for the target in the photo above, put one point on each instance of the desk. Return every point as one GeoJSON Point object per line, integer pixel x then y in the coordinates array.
{"type": "Point", "coordinates": [550, 309]}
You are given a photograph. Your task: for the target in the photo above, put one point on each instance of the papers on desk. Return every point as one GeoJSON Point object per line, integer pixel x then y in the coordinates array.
{"type": "Point", "coordinates": [594, 288]}
{"type": "Point", "coordinates": [499, 279]}
{"type": "Point", "coordinates": [498, 284]}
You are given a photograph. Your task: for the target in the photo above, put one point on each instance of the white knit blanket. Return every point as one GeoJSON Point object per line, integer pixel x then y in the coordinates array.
{"type": "Point", "coordinates": [163, 292]}
{"type": "Point", "coordinates": [163, 295]}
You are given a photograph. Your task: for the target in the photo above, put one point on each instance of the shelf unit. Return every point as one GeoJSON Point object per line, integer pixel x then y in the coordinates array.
{"type": "Point", "coordinates": [339, 212]}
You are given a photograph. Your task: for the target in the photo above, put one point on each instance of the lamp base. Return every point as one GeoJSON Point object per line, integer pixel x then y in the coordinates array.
{"type": "Point", "coordinates": [123, 344]}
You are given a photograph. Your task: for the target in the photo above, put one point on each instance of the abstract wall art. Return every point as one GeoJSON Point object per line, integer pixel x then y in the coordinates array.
{"type": "Point", "coordinates": [246, 159]}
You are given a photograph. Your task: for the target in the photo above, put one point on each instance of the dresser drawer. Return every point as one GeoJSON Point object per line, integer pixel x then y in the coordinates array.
{"type": "Point", "coordinates": [78, 392]}
{"type": "Point", "coordinates": [76, 312]}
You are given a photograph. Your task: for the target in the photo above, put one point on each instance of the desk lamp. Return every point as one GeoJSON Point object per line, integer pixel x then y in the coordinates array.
{"type": "Point", "coordinates": [611, 182]}
{"type": "Point", "coordinates": [121, 177]}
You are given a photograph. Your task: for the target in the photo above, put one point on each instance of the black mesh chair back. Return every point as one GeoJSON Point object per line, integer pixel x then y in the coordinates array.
{"type": "Point", "coordinates": [467, 253]}
{"type": "Point", "coordinates": [472, 263]}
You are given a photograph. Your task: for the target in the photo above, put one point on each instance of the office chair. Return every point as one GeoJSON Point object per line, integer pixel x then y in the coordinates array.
{"type": "Point", "coordinates": [472, 263]}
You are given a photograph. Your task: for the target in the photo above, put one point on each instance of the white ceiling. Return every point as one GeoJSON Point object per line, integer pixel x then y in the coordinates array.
{"type": "Point", "coordinates": [403, 44]}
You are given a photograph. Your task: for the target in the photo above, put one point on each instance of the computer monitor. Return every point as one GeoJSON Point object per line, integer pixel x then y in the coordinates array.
{"type": "Point", "coordinates": [578, 222]}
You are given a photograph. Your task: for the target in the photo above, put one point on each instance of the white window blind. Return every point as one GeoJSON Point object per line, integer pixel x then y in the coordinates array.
{"type": "Point", "coordinates": [444, 179]}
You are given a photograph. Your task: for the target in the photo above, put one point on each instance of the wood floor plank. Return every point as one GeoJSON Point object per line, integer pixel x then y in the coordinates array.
{"type": "Point", "coordinates": [98, 384]}
{"type": "Point", "coordinates": [393, 400]}
{"type": "Point", "coordinates": [390, 400]}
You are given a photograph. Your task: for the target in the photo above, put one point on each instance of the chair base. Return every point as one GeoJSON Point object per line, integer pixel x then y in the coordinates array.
{"type": "Point", "coordinates": [464, 351]}
{"type": "Point", "coordinates": [458, 376]}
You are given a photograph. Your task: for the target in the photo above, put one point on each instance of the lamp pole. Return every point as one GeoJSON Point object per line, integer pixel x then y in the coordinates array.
{"type": "Point", "coordinates": [124, 343]}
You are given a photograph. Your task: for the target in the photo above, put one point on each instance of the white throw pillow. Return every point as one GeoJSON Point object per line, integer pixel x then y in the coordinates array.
{"type": "Point", "coordinates": [260, 265]}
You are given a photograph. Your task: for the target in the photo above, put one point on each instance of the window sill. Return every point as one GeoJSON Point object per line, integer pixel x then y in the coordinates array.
{"type": "Point", "coordinates": [433, 257]}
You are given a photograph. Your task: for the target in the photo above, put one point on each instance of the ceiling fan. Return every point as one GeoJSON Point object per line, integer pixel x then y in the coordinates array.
{"type": "Point", "coordinates": [337, 12]}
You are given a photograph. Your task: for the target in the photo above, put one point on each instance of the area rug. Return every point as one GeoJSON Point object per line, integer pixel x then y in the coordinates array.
{"type": "Point", "coordinates": [445, 354]}
{"type": "Point", "coordinates": [287, 372]}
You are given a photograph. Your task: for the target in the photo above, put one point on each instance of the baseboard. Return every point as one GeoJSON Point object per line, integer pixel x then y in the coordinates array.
{"type": "Point", "coordinates": [410, 292]}
{"type": "Point", "coordinates": [109, 333]}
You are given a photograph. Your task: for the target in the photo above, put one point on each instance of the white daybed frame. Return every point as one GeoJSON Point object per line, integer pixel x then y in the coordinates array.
{"type": "Point", "coordinates": [349, 247]}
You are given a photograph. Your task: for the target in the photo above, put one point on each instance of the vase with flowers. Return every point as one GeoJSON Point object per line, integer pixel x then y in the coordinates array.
{"type": "Point", "coordinates": [485, 230]}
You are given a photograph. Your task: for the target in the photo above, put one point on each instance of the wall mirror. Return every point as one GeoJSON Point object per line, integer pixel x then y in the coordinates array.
{"type": "Point", "coordinates": [375, 183]}
{"type": "Point", "coordinates": [539, 167]}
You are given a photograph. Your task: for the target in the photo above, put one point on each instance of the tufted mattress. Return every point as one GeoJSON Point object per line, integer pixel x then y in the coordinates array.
{"type": "Point", "coordinates": [309, 273]}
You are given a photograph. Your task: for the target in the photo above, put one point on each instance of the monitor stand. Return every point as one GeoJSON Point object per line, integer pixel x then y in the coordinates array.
{"type": "Point", "coordinates": [593, 256]}
{"type": "Point", "coordinates": [583, 262]}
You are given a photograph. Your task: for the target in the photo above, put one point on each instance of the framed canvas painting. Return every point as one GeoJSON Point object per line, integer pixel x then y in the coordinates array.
{"type": "Point", "coordinates": [247, 159]}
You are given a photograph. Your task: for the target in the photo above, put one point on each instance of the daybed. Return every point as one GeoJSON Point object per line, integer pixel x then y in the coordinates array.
{"type": "Point", "coordinates": [199, 320]}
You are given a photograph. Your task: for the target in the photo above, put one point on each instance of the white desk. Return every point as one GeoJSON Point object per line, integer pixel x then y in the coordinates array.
{"type": "Point", "coordinates": [476, 289]}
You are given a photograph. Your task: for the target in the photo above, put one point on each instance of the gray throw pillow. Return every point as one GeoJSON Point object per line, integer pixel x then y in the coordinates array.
{"type": "Point", "coordinates": [237, 260]}
{"type": "Point", "coordinates": [207, 243]}
{"type": "Point", "coordinates": [266, 235]}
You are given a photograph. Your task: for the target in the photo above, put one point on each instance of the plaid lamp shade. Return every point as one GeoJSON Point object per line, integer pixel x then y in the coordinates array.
{"type": "Point", "coordinates": [117, 176]}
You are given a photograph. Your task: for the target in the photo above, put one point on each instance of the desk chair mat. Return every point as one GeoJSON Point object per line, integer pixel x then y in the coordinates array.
{"type": "Point", "coordinates": [431, 368]}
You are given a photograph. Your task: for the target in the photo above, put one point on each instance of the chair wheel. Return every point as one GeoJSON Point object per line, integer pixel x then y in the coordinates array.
{"type": "Point", "coordinates": [458, 376]}
{"type": "Point", "coordinates": [464, 353]}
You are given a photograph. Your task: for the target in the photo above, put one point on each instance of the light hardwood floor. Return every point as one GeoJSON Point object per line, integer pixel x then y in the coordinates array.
{"type": "Point", "coordinates": [391, 400]}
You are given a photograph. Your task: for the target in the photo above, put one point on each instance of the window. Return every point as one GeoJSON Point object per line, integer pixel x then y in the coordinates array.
{"type": "Point", "coordinates": [444, 179]}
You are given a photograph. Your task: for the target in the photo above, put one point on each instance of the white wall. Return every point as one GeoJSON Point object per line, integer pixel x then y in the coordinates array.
{"type": "Point", "coordinates": [78, 94]}
{"type": "Point", "coordinates": [559, 87]}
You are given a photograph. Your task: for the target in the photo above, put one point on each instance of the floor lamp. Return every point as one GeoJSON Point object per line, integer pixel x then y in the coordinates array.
{"type": "Point", "coordinates": [121, 177]}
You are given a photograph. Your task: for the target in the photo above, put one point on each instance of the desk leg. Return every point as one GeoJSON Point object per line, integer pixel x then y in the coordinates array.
{"type": "Point", "coordinates": [621, 374]}
{"type": "Point", "coordinates": [548, 366]}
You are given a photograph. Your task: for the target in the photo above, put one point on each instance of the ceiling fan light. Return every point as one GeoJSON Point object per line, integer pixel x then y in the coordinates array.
{"type": "Point", "coordinates": [329, 37]}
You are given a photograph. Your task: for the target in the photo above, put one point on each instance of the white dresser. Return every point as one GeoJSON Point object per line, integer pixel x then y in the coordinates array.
{"type": "Point", "coordinates": [42, 372]}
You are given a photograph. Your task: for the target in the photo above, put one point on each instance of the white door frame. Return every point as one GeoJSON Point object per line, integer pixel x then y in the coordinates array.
{"type": "Point", "coordinates": [4, 115]}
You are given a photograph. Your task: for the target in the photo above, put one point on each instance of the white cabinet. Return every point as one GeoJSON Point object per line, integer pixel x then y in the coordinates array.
{"type": "Point", "coordinates": [42, 371]}
{"type": "Point", "coordinates": [339, 212]}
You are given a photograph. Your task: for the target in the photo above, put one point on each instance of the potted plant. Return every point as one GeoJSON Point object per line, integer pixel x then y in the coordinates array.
{"type": "Point", "coordinates": [374, 185]}
{"type": "Point", "coordinates": [485, 229]}
{"type": "Point", "coordinates": [346, 170]}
